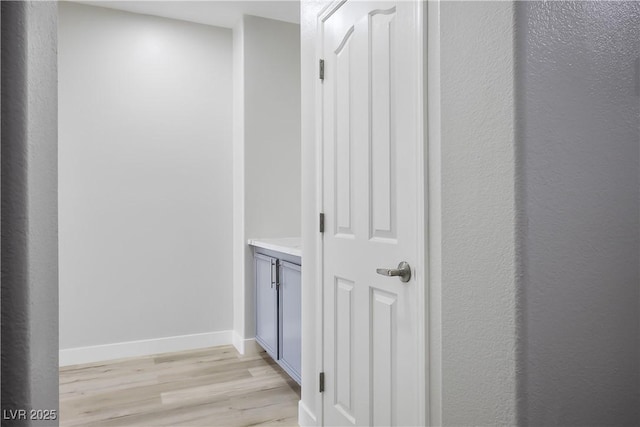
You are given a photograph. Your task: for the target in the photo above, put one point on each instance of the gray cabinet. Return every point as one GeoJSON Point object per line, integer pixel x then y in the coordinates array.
{"type": "Point", "coordinates": [278, 308]}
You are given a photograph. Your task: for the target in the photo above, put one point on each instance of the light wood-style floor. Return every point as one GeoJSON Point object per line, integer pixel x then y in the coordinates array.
{"type": "Point", "coordinates": [209, 387]}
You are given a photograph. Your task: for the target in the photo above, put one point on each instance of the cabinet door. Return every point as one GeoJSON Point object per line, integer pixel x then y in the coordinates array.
{"type": "Point", "coordinates": [266, 303]}
{"type": "Point", "coordinates": [290, 319]}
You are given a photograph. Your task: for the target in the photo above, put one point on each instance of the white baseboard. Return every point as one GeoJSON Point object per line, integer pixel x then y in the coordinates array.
{"type": "Point", "coordinates": [97, 353]}
{"type": "Point", "coordinates": [245, 346]}
{"type": "Point", "coordinates": [305, 417]}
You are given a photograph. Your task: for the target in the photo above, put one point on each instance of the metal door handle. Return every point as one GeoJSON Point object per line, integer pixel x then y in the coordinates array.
{"type": "Point", "coordinates": [403, 271]}
{"type": "Point", "coordinates": [274, 274]}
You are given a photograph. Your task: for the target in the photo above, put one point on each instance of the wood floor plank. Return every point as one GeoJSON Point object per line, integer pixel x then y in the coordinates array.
{"type": "Point", "coordinates": [211, 391]}
{"type": "Point", "coordinates": [205, 387]}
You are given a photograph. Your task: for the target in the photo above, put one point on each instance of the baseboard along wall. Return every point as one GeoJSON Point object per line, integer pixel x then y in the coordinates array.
{"type": "Point", "coordinates": [245, 346]}
{"type": "Point", "coordinates": [98, 353]}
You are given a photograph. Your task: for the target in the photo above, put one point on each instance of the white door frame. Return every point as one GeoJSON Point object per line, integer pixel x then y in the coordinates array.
{"type": "Point", "coordinates": [428, 268]}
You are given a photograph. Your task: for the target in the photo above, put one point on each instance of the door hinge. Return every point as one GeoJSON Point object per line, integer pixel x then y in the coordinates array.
{"type": "Point", "coordinates": [321, 69]}
{"type": "Point", "coordinates": [321, 382]}
{"type": "Point", "coordinates": [321, 222]}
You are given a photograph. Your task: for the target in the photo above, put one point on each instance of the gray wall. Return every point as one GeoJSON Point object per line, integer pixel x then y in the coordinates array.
{"type": "Point", "coordinates": [272, 127]}
{"type": "Point", "coordinates": [579, 160]}
{"type": "Point", "coordinates": [29, 207]}
{"type": "Point", "coordinates": [145, 177]}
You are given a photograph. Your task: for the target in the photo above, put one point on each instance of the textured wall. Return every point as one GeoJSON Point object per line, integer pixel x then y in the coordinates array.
{"type": "Point", "coordinates": [578, 110]}
{"type": "Point", "coordinates": [145, 177]}
{"type": "Point", "coordinates": [29, 208]}
{"type": "Point", "coordinates": [479, 312]}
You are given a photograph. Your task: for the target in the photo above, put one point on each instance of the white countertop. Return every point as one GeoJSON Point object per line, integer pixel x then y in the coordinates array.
{"type": "Point", "coordinates": [286, 245]}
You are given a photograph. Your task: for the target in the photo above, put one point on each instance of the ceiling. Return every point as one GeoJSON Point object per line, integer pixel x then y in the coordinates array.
{"type": "Point", "coordinates": [219, 13]}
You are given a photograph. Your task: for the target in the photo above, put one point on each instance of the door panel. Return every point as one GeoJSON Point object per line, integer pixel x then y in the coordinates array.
{"type": "Point", "coordinates": [383, 354]}
{"type": "Point", "coordinates": [343, 170]}
{"type": "Point", "coordinates": [382, 141]}
{"type": "Point", "coordinates": [290, 318]}
{"type": "Point", "coordinates": [343, 359]}
{"type": "Point", "coordinates": [370, 113]}
{"type": "Point", "coordinates": [266, 304]}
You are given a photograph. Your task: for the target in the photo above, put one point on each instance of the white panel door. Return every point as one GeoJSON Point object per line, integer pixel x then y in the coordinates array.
{"type": "Point", "coordinates": [370, 138]}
